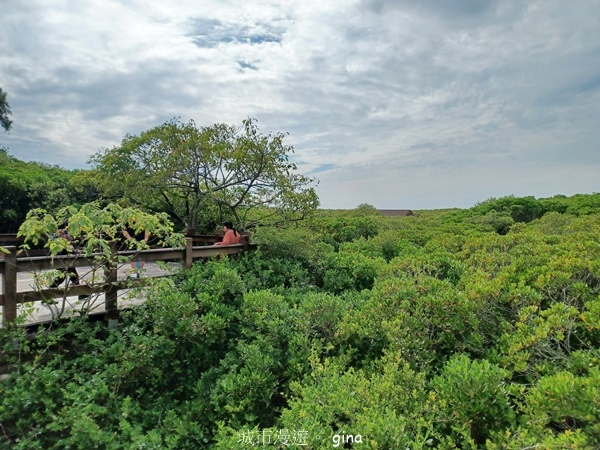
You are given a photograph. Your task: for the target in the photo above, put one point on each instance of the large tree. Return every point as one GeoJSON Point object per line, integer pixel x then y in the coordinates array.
{"type": "Point", "coordinates": [5, 111]}
{"type": "Point", "coordinates": [200, 173]}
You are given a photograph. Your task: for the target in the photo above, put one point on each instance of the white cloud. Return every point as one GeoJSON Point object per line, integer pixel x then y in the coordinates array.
{"type": "Point", "coordinates": [445, 100]}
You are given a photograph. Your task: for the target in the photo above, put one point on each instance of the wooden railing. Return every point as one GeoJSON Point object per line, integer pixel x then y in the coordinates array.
{"type": "Point", "coordinates": [9, 238]}
{"type": "Point", "coordinates": [207, 239]}
{"type": "Point", "coordinates": [13, 262]}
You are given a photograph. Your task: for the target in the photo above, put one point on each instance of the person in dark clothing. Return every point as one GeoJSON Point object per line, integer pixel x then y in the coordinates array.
{"type": "Point", "coordinates": [68, 271]}
{"type": "Point", "coordinates": [130, 235]}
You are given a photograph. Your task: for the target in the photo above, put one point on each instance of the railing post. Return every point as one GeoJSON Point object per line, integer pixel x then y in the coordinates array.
{"type": "Point", "coordinates": [246, 241]}
{"type": "Point", "coordinates": [9, 287]}
{"type": "Point", "coordinates": [110, 274]}
{"type": "Point", "coordinates": [188, 253]}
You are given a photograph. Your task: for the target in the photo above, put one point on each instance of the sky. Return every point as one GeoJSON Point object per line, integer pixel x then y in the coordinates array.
{"type": "Point", "coordinates": [396, 103]}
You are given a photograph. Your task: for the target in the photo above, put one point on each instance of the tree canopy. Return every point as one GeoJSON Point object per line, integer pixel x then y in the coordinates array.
{"type": "Point", "coordinates": [28, 185]}
{"type": "Point", "coordinates": [4, 111]}
{"type": "Point", "coordinates": [202, 175]}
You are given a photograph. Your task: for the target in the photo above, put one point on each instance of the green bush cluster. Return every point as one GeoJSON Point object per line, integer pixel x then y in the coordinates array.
{"type": "Point", "coordinates": [28, 185]}
{"type": "Point", "coordinates": [435, 331]}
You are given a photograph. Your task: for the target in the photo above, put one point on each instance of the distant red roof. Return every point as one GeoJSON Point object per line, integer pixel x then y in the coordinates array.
{"type": "Point", "coordinates": [396, 212]}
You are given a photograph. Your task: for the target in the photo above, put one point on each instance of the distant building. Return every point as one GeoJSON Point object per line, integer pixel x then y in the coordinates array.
{"type": "Point", "coordinates": [396, 212]}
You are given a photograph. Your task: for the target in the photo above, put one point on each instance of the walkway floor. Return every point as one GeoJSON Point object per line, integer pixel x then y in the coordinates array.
{"type": "Point", "coordinates": [44, 313]}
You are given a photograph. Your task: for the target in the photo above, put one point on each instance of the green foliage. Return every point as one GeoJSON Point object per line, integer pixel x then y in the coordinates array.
{"type": "Point", "coordinates": [93, 227]}
{"type": "Point", "coordinates": [292, 243]}
{"type": "Point", "coordinates": [565, 402]}
{"type": "Point", "coordinates": [365, 209]}
{"type": "Point", "coordinates": [499, 221]}
{"type": "Point", "coordinates": [5, 111]}
{"type": "Point", "coordinates": [26, 186]}
{"type": "Point", "coordinates": [521, 209]}
{"type": "Point", "coordinates": [347, 229]}
{"type": "Point", "coordinates": [347, 270]}
{"type": "Point", "coordinates": [96, 233]}
{"type": "Point", "coordinates": [382, 405]}
{"type": "Point", "coordinates": [219, 171]}
{"type": "Point", "coordinates": [470, 400]}
{"type": "Point", "coordinates": [289, 257]}
{"type": "Point", "coordinates": [453, 329]}
{"type": "Point", "coordinates": [578, 205]}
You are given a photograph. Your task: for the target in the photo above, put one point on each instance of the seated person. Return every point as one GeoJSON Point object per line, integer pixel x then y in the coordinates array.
{"type": "Point", "coordinates": [232, 236]}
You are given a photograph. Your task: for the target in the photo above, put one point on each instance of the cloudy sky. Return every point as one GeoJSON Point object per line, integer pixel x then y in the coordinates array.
{"type": "Point", "coordinates": [397, 103]}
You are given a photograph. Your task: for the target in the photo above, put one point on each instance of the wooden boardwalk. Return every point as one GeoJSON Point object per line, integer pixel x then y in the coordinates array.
{"type": "Point", "coordinates": [42, 313]}
{"type": "Point", "coordinates": [109, 293]}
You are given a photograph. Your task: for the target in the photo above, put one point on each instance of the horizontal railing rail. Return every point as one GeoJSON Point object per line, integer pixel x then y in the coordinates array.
{"type": "Point", "coordinates": [197, 238]}
{"type": "Point", "coordinates": [14, 262]}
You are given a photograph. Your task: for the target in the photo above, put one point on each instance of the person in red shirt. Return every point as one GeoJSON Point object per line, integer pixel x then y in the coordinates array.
{"type": "Point", "coordinates": [231, 235]}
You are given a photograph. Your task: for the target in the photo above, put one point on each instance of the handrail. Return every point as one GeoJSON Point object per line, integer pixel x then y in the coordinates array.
{"type": "Point", "coordinates": [12, 263]}
{"type": "Point", "coordinates": [10, 237]}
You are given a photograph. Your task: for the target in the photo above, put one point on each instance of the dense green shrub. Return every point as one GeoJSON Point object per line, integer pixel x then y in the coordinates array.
{"type": "Point", "coordinates": [498, 221]}
{"type": "Point", "coordinates": [423, 332]}
{"type": "Point", "coordinates": [348, 270]}
{"type": "Point", "coordinates": [382, 405]}
{"type": "Point", "coordinates": [520, 209]}
{"type": "Point", "coordinates": [471, 401]}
